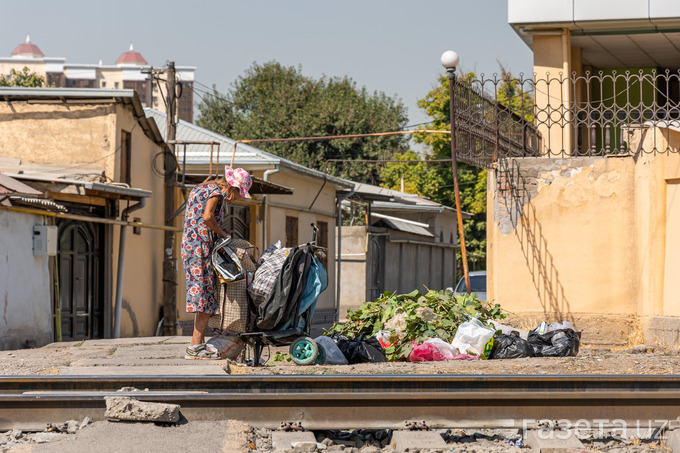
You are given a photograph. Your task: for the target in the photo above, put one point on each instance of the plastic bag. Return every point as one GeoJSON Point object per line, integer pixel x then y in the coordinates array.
{"type": "Point", "coordinates": [507, 330]}
{"type": "Point", "coordinates": [558, 343]}
{"type": "Point", "coordinates": [426, 352]}
{"type": "Point", "coordinates": [226, 346]}
{"type": "Point", "coordinates": [359, 350]}
{"type": "Point", "coordinates": [332, 355]}
{"type": "Point", "coordinates": [445, 349]}
{"type": "Point", "coordinates": [510, 347]}
{"type": "Point", "coordinates": [474, 337]}
{"type": "Point", "coordinates": [387, 338]}
{"type": "Point", "coordinates": [560, 326]}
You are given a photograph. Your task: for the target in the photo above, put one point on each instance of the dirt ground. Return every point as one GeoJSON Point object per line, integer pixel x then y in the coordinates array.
{"type": "Point", "coordinates": [153, 351]}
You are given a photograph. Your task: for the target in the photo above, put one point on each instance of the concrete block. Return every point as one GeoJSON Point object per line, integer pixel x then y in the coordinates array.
{"type": "Point", "coordinates": [553, 442]}
{"type": "Point", "coordinates": [417, 440]}
{"type": "Point", "coordinates": [284, 440]}
{"type": "Point", "coordinates": [673, 440]}
{"type": "Point", "coordinates": [130, 409]}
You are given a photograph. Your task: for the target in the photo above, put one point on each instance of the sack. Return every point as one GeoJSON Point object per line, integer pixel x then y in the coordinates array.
{"type": "Point", "coordinates": [510, 347]}
{"type": "Point", "coordinates": [557, 343]}
{"type": "Point", "coordinates": [332, 355]}
{"type": "Point", "coordinates": [359, 350]}
{"type": "Point", "coordinates": [474, 337]}
{"type": "Point", "coordinates": [226, 346]}
{"type": "Point", "coordinates": [233, 297]}
{"type": "Point", "coordinates": [387, 338]}
{"type": "Point", "coordinates": [445, 349]}
{"type": "Point", "coordinates": [268, 269]}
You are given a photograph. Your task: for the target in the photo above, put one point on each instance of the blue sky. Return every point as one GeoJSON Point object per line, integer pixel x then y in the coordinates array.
{"type": "Point", "coordinates": [385, 45]}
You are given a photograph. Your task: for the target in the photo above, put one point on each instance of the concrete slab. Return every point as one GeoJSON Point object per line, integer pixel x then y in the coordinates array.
{"type": "Point", "coordinates": [673, 440]}
{"type": "Point", "coordinates": [197, 370]}
{"type": "Point", "coordinates": [283, 440]}
{"type": "Point", "coordinates": [156, 351]}
{"type": "Point", "coordinates": [417, 440]}
{"type": "Point", "coordinates": [139, 362]}
{"type": "Point", "coordinates": [178, 340]}
{"type": "Point", "coordinates": [62, 344]}
{"type": "Point", "coordinates": [553, 442]}
{"type": "Point", "coordinates": [114, 342]}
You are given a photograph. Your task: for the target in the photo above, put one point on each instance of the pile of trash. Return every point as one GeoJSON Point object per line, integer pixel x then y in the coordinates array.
{"type": "Point", "coordinates": [439, 326]}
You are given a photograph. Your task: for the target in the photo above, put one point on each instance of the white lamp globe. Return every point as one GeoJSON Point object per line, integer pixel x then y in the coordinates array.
{"type": "Point", "coordinates": [450, 59]}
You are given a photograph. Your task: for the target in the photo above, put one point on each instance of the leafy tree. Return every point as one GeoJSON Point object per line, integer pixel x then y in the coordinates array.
{"type": "Point", "coordinates": [23, 78]}
{"type": "Point", "coordinates": [273, 101]}
{"type": "Point", "coordinates": [435, 180]}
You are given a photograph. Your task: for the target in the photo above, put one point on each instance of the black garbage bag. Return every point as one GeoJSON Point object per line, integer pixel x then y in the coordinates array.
{"type": "Point", "coordinates": [510, 347]}
{"type": "Point", "coordinates": [360, 349]}
{"type": "Point", "coordinates": [557, 343]}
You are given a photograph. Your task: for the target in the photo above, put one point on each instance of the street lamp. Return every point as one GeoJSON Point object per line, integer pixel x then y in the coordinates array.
{"type": "Point", "coordinates": [450, 60]}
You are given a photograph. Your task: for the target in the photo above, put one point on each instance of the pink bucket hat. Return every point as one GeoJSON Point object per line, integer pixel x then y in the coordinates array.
{"type": "Point", "coordinates": [238, 177]}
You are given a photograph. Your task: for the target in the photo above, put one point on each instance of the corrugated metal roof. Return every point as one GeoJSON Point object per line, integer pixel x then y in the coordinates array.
{"type": "Point", "coordinates": [11, 185]}
{"type": "Point", "coordinates": [246, 155]}
{"type": "Point", "coordinates": [404, 225]}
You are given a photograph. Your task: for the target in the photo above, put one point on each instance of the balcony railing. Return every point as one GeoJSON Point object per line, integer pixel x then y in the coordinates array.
{"type": "Point", "coordinates": [602, 114]}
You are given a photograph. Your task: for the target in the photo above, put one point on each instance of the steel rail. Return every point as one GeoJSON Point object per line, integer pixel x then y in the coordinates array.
{"type": "Point", "coordinates": [351, 401]}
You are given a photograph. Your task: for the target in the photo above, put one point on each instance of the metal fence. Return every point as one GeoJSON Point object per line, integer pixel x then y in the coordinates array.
{"type": "Point", "coordinates": [608, 113]}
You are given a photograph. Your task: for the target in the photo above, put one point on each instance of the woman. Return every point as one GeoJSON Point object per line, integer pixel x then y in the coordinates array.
{"type": "Point", "coordinates": [202, 225]}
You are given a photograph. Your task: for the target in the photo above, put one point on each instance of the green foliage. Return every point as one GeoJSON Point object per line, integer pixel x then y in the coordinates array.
{"type": "Point", "coordinates": [281, 357]}
{"type": "Point", "coordinates": [23, 78]}
{"type": "Point", "coordinates": [273, 101]}
{"type": "Point", "coordinates": [435, 314]}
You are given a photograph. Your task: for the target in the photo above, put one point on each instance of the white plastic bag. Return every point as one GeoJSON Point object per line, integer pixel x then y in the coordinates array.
{"type": "Point", "coordinates": [560, 326]}
{"type": "Point", "coordinates": [473, 337]}
{"type": "Point", "coordinates": [331, 352]}
{"type": "Point", "coordinates": [226, 346]}
{"type": "Point", "coordinates": [388, 338]}
{"type": "Point", "coordinates": [507, 330]}
{"type": "Point", "coordinates": [448, 351]}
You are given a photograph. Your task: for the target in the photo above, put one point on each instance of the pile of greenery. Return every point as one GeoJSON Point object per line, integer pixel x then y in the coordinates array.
{"type": "Point", "coordinates": [435, 314]}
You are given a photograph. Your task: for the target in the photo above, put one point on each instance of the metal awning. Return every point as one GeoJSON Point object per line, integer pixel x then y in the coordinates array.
{"type": "Point", "coordinates": [407, 226]}
{"type": "Point", "coordinates": [79, 187]}
{"type": "Point", "coordinates": [260, 186]}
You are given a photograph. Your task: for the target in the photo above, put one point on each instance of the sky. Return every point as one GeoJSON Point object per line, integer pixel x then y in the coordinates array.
{"type": "Point", "coordinates": [393, 46]}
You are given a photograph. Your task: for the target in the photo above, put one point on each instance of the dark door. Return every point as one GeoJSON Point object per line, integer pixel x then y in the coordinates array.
{"type": "Point", "coordinates": [80, 280]}
{"type": "Point", "coordinates": [375, 266]}
{"type": "Point", "coordinates": [236, 220]}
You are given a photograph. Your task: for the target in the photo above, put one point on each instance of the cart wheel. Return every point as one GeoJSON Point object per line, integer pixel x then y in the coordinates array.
{"type": "Point", "coordinates": [321, 357]}
{"type": "Point", "coordinates": [304, 351]}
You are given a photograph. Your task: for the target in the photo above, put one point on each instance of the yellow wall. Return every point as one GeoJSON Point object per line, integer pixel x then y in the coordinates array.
{"type": "Point", "coordinates": [596, 235]}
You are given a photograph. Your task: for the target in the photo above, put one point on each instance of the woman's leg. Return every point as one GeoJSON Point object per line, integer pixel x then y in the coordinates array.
{"type": "Point", "coordinates": [200, 324]}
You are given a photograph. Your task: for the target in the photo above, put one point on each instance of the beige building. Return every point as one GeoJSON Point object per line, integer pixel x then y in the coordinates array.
{"type": "Point", "coordinates": [90, 153]}
{"type": "Point", "coordinates": [130, 71]}
{"type": "Point", "coordinates": [587, 229]}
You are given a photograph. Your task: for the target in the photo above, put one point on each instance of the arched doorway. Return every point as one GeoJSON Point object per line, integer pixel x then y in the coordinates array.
{"type": "Point", "coordinates": [80, 280]}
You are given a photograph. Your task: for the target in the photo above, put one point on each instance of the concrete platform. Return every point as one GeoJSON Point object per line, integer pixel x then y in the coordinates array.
{"type": "Point", "coordinates": [203, 370]}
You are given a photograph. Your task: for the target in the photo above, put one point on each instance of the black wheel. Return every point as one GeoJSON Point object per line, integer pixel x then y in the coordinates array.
{"type": "Point", "coordinates": [304, 351]}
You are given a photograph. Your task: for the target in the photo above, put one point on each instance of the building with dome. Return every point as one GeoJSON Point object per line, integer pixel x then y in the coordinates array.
{"type": "Point", "coordinates": [130, 71]}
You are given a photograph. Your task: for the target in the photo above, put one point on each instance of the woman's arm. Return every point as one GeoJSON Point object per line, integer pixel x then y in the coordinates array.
{"type": "Point", "coordinates": [209, 217]}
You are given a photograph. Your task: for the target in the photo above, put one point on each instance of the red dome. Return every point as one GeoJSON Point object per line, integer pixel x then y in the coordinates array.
{"type": "Point", "coordinates": [27, 50]}
{"type": "Point", "coordinates": [131, 57]}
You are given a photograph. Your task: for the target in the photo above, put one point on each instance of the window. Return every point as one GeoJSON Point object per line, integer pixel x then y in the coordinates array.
{"type": "Point", "coordinates": [103, 83]}
{"type": "Point", "coordinates": [291, 231]}
{"type": "Point", "coordinates": [116, 85]}
{"type": "Point", "coordinates": [125, 157]}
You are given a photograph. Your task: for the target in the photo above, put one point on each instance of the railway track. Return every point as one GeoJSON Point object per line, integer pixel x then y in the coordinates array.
{"type": "Point", "coordinates": [351, 401]}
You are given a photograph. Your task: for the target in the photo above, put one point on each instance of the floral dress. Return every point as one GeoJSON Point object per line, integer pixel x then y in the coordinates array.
{"type": "Point", "coordinates": [197, 247]}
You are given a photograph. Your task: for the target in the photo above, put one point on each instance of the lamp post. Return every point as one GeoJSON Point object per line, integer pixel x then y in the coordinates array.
{"type": "Point", "coordinates": [450, 60]}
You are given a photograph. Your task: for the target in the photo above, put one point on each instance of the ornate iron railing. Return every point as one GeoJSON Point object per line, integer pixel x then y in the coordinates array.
{"type": "Point", "coordinates": [608, 113]}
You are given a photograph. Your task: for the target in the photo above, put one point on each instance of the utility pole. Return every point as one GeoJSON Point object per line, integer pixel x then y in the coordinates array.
{"type": "Point", "coordinates": [169, 260]}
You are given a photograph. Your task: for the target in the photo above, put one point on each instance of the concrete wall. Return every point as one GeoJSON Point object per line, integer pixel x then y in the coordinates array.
{"type": "Point", "coordinates": [353, 274]}
{"type": "Point", "coordinates": [143, 277]}
{"type": "Point", "coordinates": [583, 238]}
{"type": "Point", "coordinates": [25, 285]}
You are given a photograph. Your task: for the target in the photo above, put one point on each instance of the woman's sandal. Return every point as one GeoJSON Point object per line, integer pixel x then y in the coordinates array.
{"type": "Point", "coordinates": [202, 352]}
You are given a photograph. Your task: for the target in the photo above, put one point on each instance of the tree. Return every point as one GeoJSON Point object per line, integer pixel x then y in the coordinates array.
{"type": "Point", "coordinates": [23, 78]}
{"type": "Point", "coordinates": [435, 181]}
{"type": "Point", "coordinates": [273, 101]}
